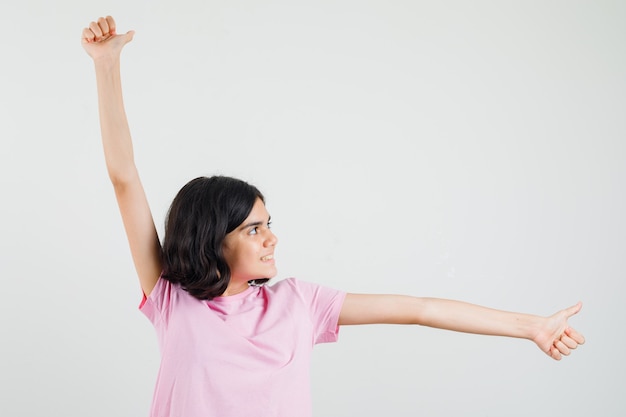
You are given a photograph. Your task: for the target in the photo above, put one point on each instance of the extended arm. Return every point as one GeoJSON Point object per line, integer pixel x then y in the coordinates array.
{"type": "Point", "coordinates": [551, 334]}
{"type": "Point", "coordinates": [103, 44]}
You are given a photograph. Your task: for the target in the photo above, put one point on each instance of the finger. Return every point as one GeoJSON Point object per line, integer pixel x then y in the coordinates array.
{"type": "Point", "coordinates": [97, 31]}
{"type": "Point", "coordinates": [574, 309]}
{"type": "Point", "coordinates": [88, 35]}
{"type": "Point", "coordinates": [562, 348]}
{"type": "Point", "coordinates": [569, 342]}
{"type": "Point", "coordinates": [555, 354]}
{"type": "Point", "coordinates": [129, 35]}
{"type": "Point", "coordinates": [579, 338]}
{"type": "Point", "coordinates": [104, 26]}
{"type": "Point", "coordinates": [112, 25]}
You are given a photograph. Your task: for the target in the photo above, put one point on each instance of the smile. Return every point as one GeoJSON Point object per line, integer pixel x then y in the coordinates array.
{"type": "Point", "coordinates": [267, 258]}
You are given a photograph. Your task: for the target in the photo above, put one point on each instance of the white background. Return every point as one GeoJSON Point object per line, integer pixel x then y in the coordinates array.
{"type": "Point", "coordinates": [470, 150]}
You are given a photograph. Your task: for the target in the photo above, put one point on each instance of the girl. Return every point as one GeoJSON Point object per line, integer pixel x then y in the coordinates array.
{"type": "Point", "coordinates": [231, 346]}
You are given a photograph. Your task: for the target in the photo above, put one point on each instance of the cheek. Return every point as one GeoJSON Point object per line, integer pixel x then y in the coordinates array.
{"type": "Point", "coordinates": [229, 255]}
{"type": "Point", "coordinates": [238, 255]}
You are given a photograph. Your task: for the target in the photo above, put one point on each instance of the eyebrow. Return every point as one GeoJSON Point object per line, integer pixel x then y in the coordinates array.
{"type": "Point", "coordinates": [257, 223]}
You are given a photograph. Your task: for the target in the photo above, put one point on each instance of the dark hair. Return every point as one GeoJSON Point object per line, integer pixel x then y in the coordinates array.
{"type": "Point", "coordinates": [203, 212]}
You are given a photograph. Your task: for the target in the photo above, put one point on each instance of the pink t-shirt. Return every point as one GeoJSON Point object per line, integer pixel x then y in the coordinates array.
{"type": "Point", "coordinates": [246, 355]}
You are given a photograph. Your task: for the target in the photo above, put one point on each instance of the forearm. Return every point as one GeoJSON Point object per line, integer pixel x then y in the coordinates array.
{"type": "Point", "coordinates": [116, 139]}
{"type": "Point", "coordinates": [439, 313]}
{"type": "Point", "coordinates": [471, 318]}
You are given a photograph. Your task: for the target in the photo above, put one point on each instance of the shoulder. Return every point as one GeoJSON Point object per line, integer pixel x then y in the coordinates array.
{"type": "Point", "coordinates": [308, 292]}
{"type": "Point", "coordinates": [281, 287]}
{"type": "Point", "coordinates": [291, 285]}
{"type": "Point", "coordinates": [165, 295]}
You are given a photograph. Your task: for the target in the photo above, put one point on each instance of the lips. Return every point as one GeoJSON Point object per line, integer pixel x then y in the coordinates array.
{"type": "Point", "coordinates": [267, 258]}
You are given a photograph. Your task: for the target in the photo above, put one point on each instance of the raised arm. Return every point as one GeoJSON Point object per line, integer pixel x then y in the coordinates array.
{"type": "Point", "coordinates": [551, 334]}
{"type": "Point", "coordinates": [104, 45]}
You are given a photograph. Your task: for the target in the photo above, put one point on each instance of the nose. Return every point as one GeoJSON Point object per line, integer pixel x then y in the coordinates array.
{"type": "Point", "coordinates": [270, 239]}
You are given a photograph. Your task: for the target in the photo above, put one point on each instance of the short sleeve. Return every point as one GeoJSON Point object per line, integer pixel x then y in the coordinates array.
{"type": "Point", "coordinates": [324, 305]}
{"type": "Point", "coordinates": [156, 306]}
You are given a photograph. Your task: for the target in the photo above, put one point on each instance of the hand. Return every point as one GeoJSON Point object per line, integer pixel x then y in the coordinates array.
{"type": "Point", "coordinates": [555, 337]}
{"type": "Point", "coordinates": [101, 40]}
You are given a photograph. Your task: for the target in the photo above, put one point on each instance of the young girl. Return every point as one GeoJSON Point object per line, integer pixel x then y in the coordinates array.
{"type": "Point", "coordinates": [230, 345]}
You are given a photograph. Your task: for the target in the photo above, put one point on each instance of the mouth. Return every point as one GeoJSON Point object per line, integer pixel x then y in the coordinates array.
{"type": "Point", "coordinates": [267, 258]}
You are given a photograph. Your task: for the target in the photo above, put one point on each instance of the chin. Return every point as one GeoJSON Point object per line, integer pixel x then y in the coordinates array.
{"type": "Point", "coordinates": [271, 273]}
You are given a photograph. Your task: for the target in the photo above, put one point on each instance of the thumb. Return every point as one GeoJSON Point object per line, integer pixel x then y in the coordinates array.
{"type": "Point", "coordinates": [128, 36]}
{"type": "Point", "coordinates": [570, 311]}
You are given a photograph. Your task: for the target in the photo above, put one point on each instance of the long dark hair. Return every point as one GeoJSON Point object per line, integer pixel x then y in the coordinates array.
{"type": "Point", "coordinates": [203, 212]}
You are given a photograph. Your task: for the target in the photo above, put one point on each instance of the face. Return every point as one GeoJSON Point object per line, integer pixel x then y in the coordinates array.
{"type": "Point", "coordinates": [249, 249]}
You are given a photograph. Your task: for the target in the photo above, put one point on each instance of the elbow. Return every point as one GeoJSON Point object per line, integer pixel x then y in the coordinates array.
{"type": "Point", "coordinates": [121, 178]}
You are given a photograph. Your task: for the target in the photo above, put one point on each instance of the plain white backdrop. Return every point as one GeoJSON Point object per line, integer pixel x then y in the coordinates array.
{"type": "Point", "coordinates": [469, 150]}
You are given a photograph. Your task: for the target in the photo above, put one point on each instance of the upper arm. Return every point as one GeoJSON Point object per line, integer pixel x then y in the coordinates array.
{"type": "Point", "coordinates": [142, 237]}
{"type": "Point", "coordinates": [374, 308]}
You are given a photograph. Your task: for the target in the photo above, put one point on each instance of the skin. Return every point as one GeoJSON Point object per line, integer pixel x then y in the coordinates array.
{"type": "Point", "coordinates": [247, 247]}
{"type": "Point", "coordinates": [249, 250]}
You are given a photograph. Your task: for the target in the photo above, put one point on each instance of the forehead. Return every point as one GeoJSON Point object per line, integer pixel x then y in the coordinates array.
{"type": "Point", "coordinates": [258, 213]}
{"type": "Point", "coordinates": [259, 207]}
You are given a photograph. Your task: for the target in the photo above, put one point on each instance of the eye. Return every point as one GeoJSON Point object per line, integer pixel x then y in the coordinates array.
{"type": "Point", "coordinates": [254, 230]}
{"type": "Point", "coordinates": [269, 224]}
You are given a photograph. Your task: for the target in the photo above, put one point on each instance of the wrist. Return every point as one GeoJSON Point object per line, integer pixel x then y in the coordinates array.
{"type": "Point", "coordinates": [532, 327]}
{"type": "Point", "coordinates": [106, 62]}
